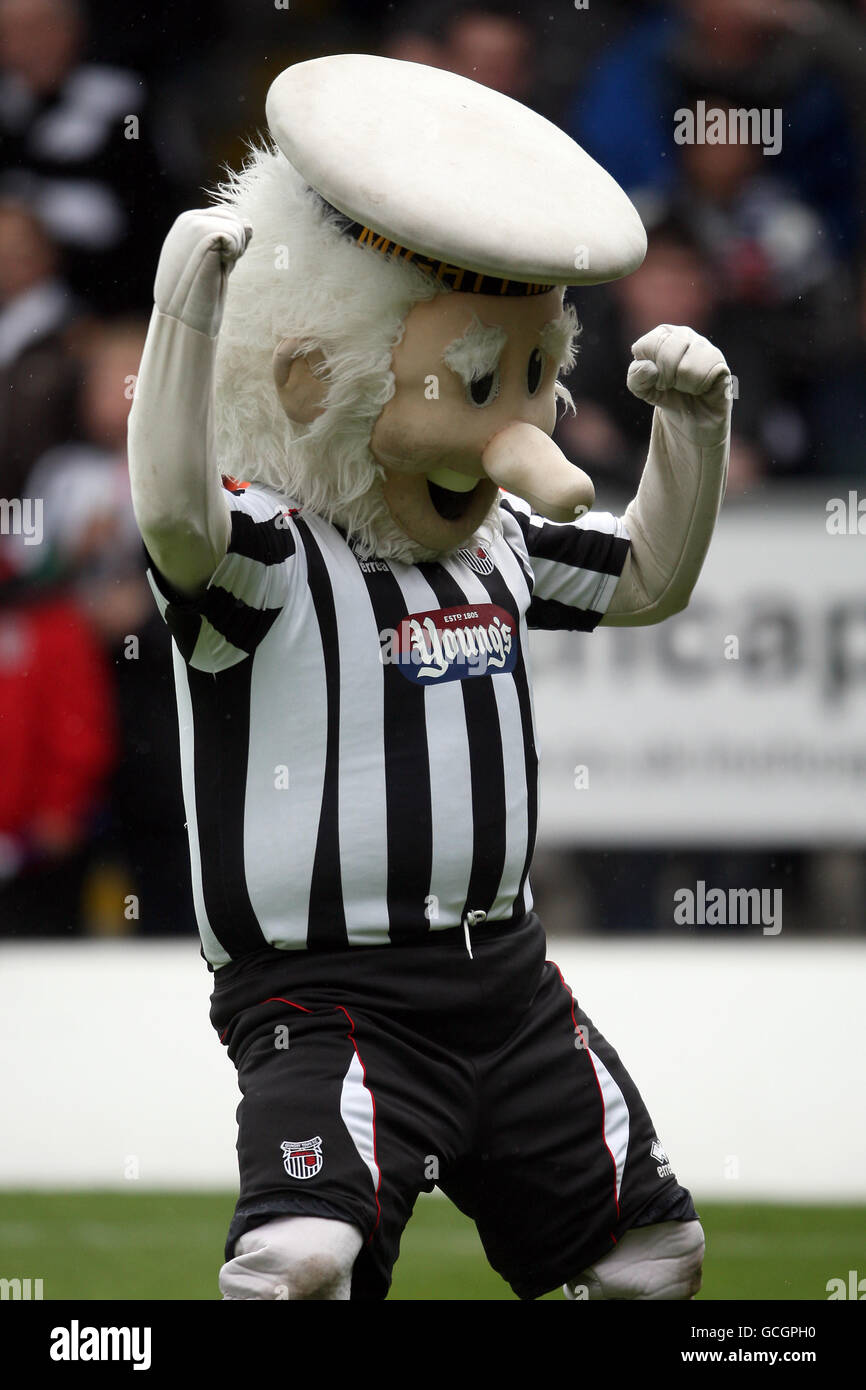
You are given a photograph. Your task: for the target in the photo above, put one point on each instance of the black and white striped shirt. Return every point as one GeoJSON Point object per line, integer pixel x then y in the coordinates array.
{"type": "Point", "coordinates": [357, 737]}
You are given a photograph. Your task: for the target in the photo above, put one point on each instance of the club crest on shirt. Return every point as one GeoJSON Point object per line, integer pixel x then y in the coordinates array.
{"type": "Point", "coordinates": [476, 558]}
{"type": "Point", "coordinates": [302, 1158]}
{"type": "Point", "coordinates": [451, 644]}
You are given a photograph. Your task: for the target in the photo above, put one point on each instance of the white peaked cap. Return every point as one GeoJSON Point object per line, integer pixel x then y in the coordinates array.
{"type": "Point", "coordinates": [452, 170]}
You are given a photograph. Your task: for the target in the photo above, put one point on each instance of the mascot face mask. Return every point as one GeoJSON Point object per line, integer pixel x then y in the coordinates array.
{"type": "Point", "coordinates": [415, 327]}
{"type": "Point", "coordinates": [494, 371]}
{"type": "Point", "coordinates": [466, 368]}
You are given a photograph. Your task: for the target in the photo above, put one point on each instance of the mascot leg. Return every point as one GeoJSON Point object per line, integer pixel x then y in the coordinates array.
{"type": "Point", "coordinates": [661, 1261]}
{"type": "Point", "coordinates": [293, 1257]}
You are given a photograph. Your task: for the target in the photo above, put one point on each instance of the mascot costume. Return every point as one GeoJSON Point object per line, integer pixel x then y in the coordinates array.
{"type": "Point", "coordinates": [343, 472]}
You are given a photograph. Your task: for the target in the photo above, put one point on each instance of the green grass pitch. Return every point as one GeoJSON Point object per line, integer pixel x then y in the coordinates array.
{"type": "Point", "coordinates": [169, 1246]}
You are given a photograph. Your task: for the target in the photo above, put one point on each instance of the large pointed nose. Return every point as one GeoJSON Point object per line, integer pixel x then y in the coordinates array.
{"type": "Point", "coordinates": [525, 460]}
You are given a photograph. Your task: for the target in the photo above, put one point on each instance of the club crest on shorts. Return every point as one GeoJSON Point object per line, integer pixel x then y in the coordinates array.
{"type": "Point", "coordinates": [302, 1158]}
{"type": "Point", "coordinates": [476, 558]}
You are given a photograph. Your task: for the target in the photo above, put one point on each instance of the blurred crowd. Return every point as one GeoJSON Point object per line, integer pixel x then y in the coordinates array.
{"type": "Point", "coordinates": [113, 121]}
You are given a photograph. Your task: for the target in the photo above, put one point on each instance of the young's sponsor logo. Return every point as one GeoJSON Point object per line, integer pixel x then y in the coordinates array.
{"type": "Point", "coordinates": [450, 644]}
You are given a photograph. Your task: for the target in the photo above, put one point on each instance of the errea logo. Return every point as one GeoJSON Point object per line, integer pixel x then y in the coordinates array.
{"type": "Point", "coordinates": [664, 1169]}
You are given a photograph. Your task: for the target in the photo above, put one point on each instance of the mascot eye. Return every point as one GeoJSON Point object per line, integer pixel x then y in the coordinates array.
{"type": "Point", "coordinates": [534, 371]}
{"type": "Point", "coordinates": [483, 389]}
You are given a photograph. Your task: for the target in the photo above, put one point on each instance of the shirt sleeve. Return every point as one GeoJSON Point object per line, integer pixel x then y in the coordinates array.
{"type": "Point", "coordinates": [572, 567]}
{"type": "Point", "coordinates": [247, 591]}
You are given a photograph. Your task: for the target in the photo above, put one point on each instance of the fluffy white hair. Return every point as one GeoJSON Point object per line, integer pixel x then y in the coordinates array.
{"type": "Point", "coordinates": [303, 278]}
{"type": "Point", "coordinates": [559, 341]}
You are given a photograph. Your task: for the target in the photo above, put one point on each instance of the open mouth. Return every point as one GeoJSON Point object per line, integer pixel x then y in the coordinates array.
{"type": "Point", "coordinates": [451, 503]}
{"type": "Point", "coordinates": [451, 506]}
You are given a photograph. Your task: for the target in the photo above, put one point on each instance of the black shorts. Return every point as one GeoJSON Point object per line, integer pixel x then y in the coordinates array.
{"type": "Point", "coordinates": [375, 1074]}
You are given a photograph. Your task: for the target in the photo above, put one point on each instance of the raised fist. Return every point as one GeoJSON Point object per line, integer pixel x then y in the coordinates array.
{"type": "Point", "coordinates": [687, 376]}
{"type": "Point", "coordinates": [196, 260]}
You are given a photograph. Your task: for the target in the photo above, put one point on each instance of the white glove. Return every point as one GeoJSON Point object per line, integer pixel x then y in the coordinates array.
{"type": "Point", "coordinates": [687, 377]}
{"type": "Point", "coordinates": [176, 489]}
{"type": "Point", "coordinates": [196, 260]}
{"type": "Point", "coordinates": [671, 519]}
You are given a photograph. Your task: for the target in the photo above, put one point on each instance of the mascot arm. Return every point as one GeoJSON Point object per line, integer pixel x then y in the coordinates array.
{"type": "Point", "coordinates": [671, 519]}
{"type": "Point", "coordinates": [176, 487]}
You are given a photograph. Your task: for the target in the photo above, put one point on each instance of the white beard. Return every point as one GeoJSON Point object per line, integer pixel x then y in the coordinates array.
{"type": "Point", "coordinates": [371, 529]}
